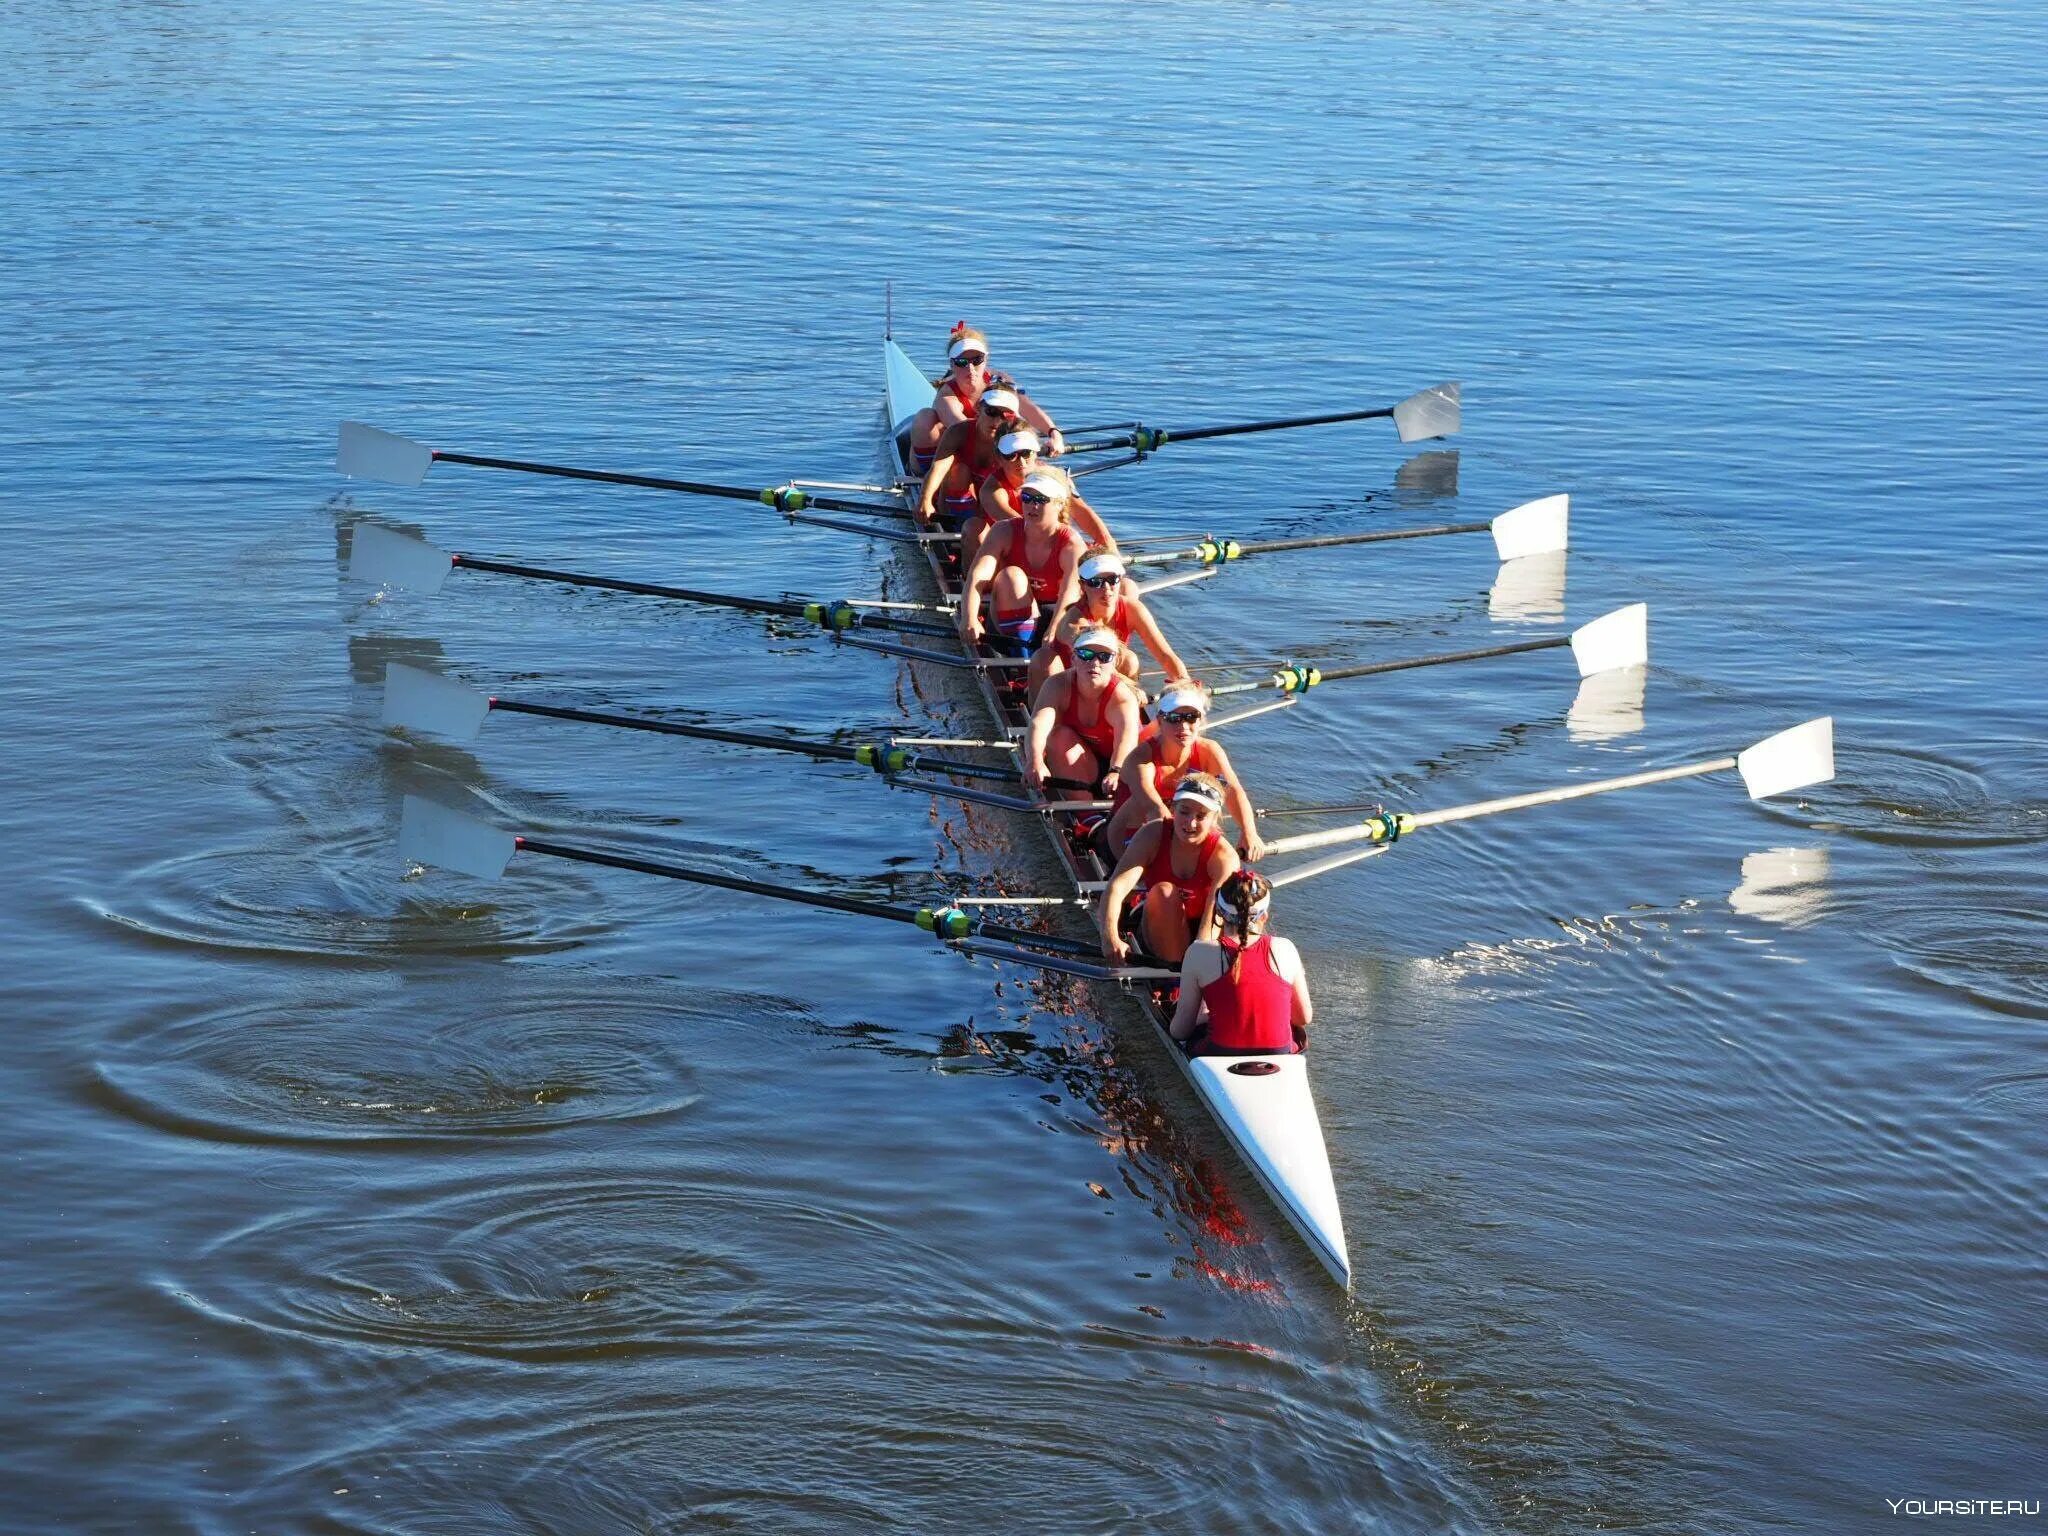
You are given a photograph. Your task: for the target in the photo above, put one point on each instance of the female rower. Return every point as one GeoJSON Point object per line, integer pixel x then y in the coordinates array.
{"type": "Point", "coordinates": [1169, 875]}
{"type": "Point", "coordinates": [1017, 454]}
{"type": "Point", "coordinates": [1103, 594]}
{"type": "Point", "coordinates": [965, 455]}
{"type": "Point", "coordinates": [1024, 566]}
{"type": "Point", "coordinates": [1086, 721]}
{"type": "Point", "coordinates": [1160, 760]}
{"type": "Point", "coordinates": [955, 396]}
{"type": "Point", "coordinates": [1248, 985]}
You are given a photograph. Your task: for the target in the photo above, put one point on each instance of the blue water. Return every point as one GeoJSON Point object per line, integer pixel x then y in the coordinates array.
{"type": "Point", "coordinates": [1691, 1149]}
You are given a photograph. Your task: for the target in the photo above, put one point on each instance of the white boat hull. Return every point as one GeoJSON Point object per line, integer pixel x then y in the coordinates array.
{"type": "Point", "coordinates": [1263, 1103]}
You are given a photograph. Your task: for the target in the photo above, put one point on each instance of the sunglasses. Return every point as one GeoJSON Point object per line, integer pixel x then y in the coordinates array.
{"type": "Point", "coordinates": [998, 412]}
{"type": "Point", "coordinates": [1093, 655]}
{"type": "Point", "coordinates": [1183, 717]}
{"type": "Point", "coordinates": [1021, 453]}
{"type": "Point", "coordinates": [1101, 581]}
{"type": "Point", "coordinates": [1034, 498]}
{"type": "Point", "coordinates": [970, 359]}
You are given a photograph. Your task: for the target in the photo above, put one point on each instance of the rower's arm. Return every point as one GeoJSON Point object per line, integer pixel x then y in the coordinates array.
{"type": "Point", "coordinates": [928, 496]}
{"type": "Point", "coordinates": [1144, 785]}
{"type": "Point", "coordinates": [1109, 911]}
{"type": "Point", "coordinates": [1240, 805]}
{"type": "Point", "coordinates": [1123, 737]}
{"type": "Point", "coordinates": [1227, 864]}
{"type": "Point", "coordinates": [1154, 638]}
{"type": "Point", "coordinates": [1047, 428]}
{"type": "Point", "coordinates": [1195, 973]}
{"type": "Point", "coordinates": [1089, 521]}
{"type": "Point", "coordinates": [984, 572]}
{"type": "Point", "coordinates": [1042, 720]}
{"type": "Point", "coordinates": [1304, 1008]}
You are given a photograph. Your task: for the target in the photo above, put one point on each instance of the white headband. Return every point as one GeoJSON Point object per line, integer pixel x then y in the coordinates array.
{"type": "Point", "coordinates": [1099, 635]}
{"type": "Point", "coordinates": [967, 344]}
{"type": "Point", "coordinates": [1192, 788]}
{"type": "Point", "coordinates": [1016, 440]}
{"type": "Point", "coordinates": [1002, 397]}
{"type": "Point", "coordinates": [1050, 483]}
{"type": "Point", "coordinates": [1104, 564]}
{"type": "Point", "coordinates": [1228, 908]}
{"type": "Point", "coordinates": [1185, 696]}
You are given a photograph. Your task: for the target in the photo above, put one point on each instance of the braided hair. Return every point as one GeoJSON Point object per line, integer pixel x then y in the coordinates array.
{"type": "Point", "coordinates": [1241, 901]}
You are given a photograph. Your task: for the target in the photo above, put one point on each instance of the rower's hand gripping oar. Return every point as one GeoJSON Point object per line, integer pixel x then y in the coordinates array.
{"type": "Point", "coordinates": [418, 700]}
{"type": "Point", "coordinates": [386, 558]}
{"type": "Point", "coordinates": [370, 453]}
{"type": "Point", "coordinates": [1540, 527]}
{"type": "Point", "coordinates": [1429, 413]}
{"type": "Point", "coordinates": [432, 833]}
{"type": "Point", "coordinates": [1793, 759]}
{"type": "Point", "coordinates": [1612, 641]}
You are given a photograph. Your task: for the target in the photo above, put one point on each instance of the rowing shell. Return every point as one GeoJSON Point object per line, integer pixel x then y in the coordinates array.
{"type": "Point", "coordinates": [1263, 1103]}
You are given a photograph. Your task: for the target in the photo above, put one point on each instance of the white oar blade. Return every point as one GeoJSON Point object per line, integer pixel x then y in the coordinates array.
{"type": "Point", "coordinates": [425, 701]}
{"type": "Point", "coordinates": [1539, 527]}
{"type": "Point", "coordinates": [386, 559]}
{"type": "Point", "coordinates": [431, 833]}
{"type": "Point", "coordinates": [1617, 639]}
{"type": "Point", "coordinates": [371, 453]}
{"type": "Point", "coordinates": [1789, 760]}
{"type": "Point", "coordinates": [1432, 413]}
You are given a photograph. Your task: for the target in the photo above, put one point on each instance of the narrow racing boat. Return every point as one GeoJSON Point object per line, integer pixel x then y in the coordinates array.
{"type": "Point", "coordinates": [1263, 1103]}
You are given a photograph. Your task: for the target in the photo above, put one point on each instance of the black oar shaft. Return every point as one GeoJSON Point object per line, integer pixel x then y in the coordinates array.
{"type": "Point", "coordinates": [826, 899]}
{"type": "Point", "coordinates": [778, 606]}
{"type": "Point", "coordinates": [1381, 536]}
{"type": "Point", "coordinates": [663, 483]}
{"type": "Point", "coordinates": [1145, 439]}
{"type": "Point", "coordinates": [1408, 664]}
{"type": "Point", "coordinates": [829, 751]}
{"type": "Point", "coordinates": [854, 905]}
{"type": "Point", "coordinates": [1274, 426]}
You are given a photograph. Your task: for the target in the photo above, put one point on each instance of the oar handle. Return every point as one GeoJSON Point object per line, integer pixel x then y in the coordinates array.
{"type": "Point", "coordinates": [787, 499]}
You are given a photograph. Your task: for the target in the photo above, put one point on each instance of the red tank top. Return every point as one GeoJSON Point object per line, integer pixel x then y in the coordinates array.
{"type": "Point", "coordinates": [1046, 577]}
{"type": "Point", "coordinates": [973, 462]}
{"type": "Point", "coordinates": [1166, 780]}
{"type": "Point", "coordinates": [1125, 626]}
{"type": "Point", "coordinates": [1099, 735]}
{"type": "Point", "coordinates": [1253, 1011]}
{"type": "Point", "coordinates": [1159, 868]}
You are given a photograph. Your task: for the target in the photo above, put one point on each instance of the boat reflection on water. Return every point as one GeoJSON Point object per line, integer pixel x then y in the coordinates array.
{"type": "Point", "coordinates": [1608, 705]}
{"type": "Point", "coordinates": [1529, 590]}
{"type": "Point", "coordinates": [1783, 885]}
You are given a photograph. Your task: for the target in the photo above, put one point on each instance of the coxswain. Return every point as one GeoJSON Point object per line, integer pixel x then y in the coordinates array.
{"type": "Point", "coordinates": [1103, 594]}
{"type": "Point", "coordinates": [1024, 566]}
{"type": "Point", "coordinates": [1168, 876]}
{"type": "Point", "coordinates": [1166, 755]}
{"type": "Point", "coordinates": [1086, 721]}
{"type": "Point", "coordinates": [1245, 984]}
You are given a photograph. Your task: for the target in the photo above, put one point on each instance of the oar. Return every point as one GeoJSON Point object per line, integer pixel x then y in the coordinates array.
{"type": "Point", "coordinates": [419, 700]}
{"type": "Point", "coordinates": [1429, 413]}
{"type": "Point", "coordinates": [1777, 765]}
{"type": "Point", "coordinates": [432, 833]}
{"type": "Point", "coordinates": [386, 558]}
{"type": "Point", "coordinates": [1538, 527]}
{"type": "Point", "coordinates": [1617, 639]}
{"type": "Point", "coordinates": [370, 453]}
